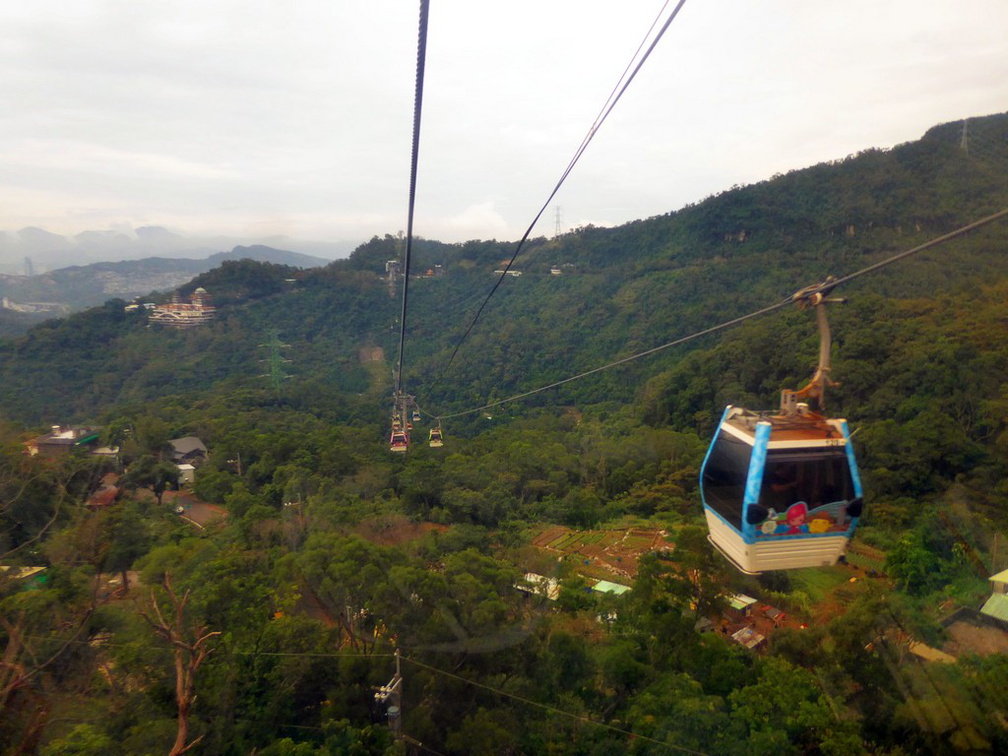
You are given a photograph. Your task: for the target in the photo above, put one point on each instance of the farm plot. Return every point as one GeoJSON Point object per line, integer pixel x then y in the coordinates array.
{"type": "Point", "coordinates": [604, 552]}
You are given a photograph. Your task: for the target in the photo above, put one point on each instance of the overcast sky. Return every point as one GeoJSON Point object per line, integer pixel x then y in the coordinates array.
{"type": "Point", "coordinates": [263, 117]}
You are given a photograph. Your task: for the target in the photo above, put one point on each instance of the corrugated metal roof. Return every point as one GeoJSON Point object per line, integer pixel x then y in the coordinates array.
{"type": "Point", "coordinates": [928, 653]}
{"type": "Point", "coordinates": [996, 607]}
{"type": "Point", "coordinates": [187, 445]}
{"type": "Point", "coordinates": [740, 601]}
{"type": "Point", "coordinates": [748, 637]}
{"type": "Point", "coordinates": [1001, 577]}
{"type": "Point", "coordinates": [604, 586]}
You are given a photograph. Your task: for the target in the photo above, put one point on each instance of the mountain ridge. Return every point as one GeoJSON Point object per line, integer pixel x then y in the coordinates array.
{"type": "Point", "coordinates": [77, 287]}
{"type": "Point", "coordinates": [621, 291]}
{"type": "Point", "coordinates": [31, 248]}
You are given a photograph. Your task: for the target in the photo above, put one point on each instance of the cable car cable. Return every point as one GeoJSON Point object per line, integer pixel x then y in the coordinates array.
{"type": "Point", "coordinates": [926, 245]}
{"type": "Point", "coordinates": [714, 329]}
{"type": "Point", "coordinates": [417, 108]}
{"type": "Point", "coordinates": [807, 292]}
{"type": "Point", "coordinates": [599, 120]}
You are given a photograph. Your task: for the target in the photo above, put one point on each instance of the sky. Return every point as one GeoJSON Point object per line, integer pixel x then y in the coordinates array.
{"type": "Point", "coordinates": [262, 118]}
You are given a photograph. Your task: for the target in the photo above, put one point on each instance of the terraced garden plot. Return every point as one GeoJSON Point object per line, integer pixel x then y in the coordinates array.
{"type": "Point", "coordinates": [603, 552]}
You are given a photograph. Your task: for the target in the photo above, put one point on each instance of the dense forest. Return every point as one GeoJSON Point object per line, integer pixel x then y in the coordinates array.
{"type": "Point", "coordinates": [323, 566]}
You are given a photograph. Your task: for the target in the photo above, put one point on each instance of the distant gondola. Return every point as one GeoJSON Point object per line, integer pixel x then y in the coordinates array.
{"type": "Point", "coordinates": [434, 439]}
{"type": "Point", "coordinates": [782, 490]}
{"type": "Point", "coordinates": [399, 442]}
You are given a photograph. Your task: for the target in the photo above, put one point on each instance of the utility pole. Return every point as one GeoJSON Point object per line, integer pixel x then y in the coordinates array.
{"type": "Point", "coordinates": [964, 137]}
{"type": "Point", "coordinates": [393, 691]}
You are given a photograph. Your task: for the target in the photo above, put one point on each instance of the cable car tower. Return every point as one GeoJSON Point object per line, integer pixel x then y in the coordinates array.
{"type": "Point", "coordinates": [781, 490]}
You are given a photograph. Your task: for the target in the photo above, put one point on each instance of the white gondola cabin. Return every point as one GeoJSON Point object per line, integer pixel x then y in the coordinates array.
{"type": "Point", "coordinates": [782, 490]}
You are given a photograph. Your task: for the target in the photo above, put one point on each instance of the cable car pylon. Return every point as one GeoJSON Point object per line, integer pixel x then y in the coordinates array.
{"type": "Point", "coordinates": [781, 490]}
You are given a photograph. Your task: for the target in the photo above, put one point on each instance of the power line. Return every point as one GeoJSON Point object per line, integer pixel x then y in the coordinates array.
{"type": "Point", "coordinates": [736, 321]}
{"type": "Point", "coordinates": [94, 640]}
{"type": "Point", "coordinates": [607, 108]}
{"type": "Point", "coordinates": [553, 709]}
{"type": "Point", "coordinates": [431, 668]}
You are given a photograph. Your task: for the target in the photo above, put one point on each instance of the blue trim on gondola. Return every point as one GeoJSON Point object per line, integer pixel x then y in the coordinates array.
{"type": "Point", "coordinates": [703, 467]}
{"type": "Point", "coordinates": [754, 479]}
{"type": "Point", "coordinates": [849, 448]}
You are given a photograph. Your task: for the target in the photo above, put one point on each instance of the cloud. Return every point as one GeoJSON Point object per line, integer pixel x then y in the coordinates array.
{"type": "Point", "coordinates": [300, 114]}
{"type": "Point", "coordinates": [478, 221]}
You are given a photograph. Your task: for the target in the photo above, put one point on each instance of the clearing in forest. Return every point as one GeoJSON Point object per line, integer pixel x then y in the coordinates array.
{"type": "Point", "coordinates": [603, 552]}
{"type": "Point", "coordinates": [395, 530]}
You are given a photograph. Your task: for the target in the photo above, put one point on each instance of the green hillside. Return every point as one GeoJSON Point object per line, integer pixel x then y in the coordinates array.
{"type": "Point", "coordinates": [305, 553]}
{"type": "Point", "coordinates": [623, 290]}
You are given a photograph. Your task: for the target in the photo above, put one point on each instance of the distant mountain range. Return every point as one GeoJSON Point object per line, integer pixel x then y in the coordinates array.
{"type": "Point", "coordinates": [32, 250]}
{"type": "Point", "coordinates": [34, 298]}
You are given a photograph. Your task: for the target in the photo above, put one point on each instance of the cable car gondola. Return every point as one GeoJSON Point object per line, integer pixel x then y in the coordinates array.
{"type": "Point", "coordinates": [399, 442]}
{"type": "Point", "coordinates": [399, 439]}
{"type": "Point", "coordinates": [782, 490]}
{"type": "Point", "coordinates": [434, 439]}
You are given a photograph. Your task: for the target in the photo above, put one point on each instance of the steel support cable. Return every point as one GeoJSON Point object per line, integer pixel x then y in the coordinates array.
{"type": "Point", "coordinates": [736, 321]}
{"type": "Point", "coordinates": [706, 332]}
{"type": "Point", "coordinates": [926, 245]}
{"type": "Point", "coordinates": [552, 709]}
{"type": "Point", "coordinates": [417, 108]}
{"type": "Point", "coordinates": [606, 110]}
{"type": "Point", "coordinates": [616, 87]}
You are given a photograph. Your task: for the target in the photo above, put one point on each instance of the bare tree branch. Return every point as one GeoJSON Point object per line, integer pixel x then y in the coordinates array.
{"type": "Point", "coordinates": [189, 655]}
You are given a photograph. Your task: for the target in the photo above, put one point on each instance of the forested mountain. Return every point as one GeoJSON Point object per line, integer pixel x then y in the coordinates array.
{"type": "Point", "coordinates": [327, 553]}
{"type": "Point", "coordinates": [622, 291]}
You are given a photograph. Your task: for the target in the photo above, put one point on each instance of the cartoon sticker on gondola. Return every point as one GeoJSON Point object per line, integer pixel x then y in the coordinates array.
{"type": "Point", "coordinates": [794, 520]}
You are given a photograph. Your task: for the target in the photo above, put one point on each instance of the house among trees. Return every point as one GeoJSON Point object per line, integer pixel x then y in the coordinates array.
{"type": "Point", "coordinates": [28, 578]}
{"type": "Point", "coordinates": [536, 584]}
{"type": "Point", "coordinates": [61, 440]}
{"type": "Point", "coordinates": [179, 314]}
{"type": "Point", "coordinates": [107, 494]}
{"type": "Point", "coordinates": [740, 606]}
{"type": "Point", "coordinates": [188, 450]}
{"type": "Point", "coordinates": [749, 638]}
{"type": "Point", "coordinates": [996, 606]}
{"type": "Point", "coordinates": [187, 474]}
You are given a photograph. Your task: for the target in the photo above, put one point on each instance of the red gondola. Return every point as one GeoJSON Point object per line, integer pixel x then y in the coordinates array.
{"type": "Point", "coordinates": [399, 442]}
